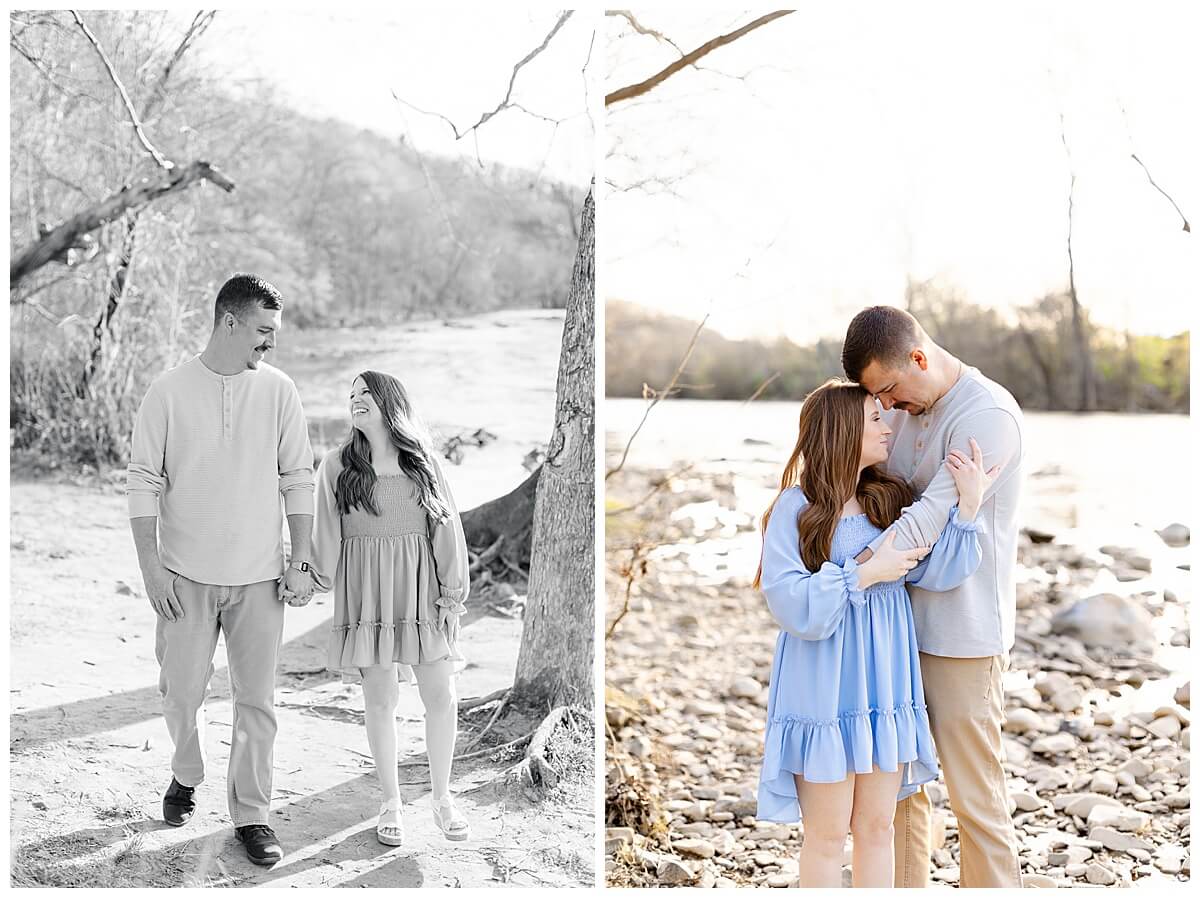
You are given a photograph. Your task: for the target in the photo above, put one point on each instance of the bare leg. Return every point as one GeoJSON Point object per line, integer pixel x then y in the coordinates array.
{"type": "Point", "coordinates": [436, 685]}
{"type": "Point", "coordinates": [871, 823]}
{"type": "Point", "coordinates": [825, 809]}
{"type": "Point", "coordinates": [381, 694]}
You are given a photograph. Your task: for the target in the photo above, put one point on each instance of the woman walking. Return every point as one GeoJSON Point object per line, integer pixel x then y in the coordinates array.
{"type": "Point", "coordinates": [387, 536]}
{"type": "Point", "coordinates": [847, 732]}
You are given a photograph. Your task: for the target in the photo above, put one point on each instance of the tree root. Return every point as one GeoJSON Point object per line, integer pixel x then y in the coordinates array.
{"type": "Point", "coordinates": [536, 770]}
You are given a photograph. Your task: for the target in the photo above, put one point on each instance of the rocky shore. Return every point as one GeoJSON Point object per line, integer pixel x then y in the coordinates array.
{"type": "Point", "coordinates": [1096, 738]}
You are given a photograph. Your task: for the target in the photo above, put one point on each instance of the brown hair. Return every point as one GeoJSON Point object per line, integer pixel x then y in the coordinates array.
{"type": "Point", "coordinates": [824, 465]}
{"type": "Point", "coordinates": [879, 334]}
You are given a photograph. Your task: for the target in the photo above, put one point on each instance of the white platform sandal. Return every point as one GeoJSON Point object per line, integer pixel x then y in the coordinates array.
{"type": "Point", "coordinates": [390, 832]}
{"type": "Point", "coordinates": [449, 820]}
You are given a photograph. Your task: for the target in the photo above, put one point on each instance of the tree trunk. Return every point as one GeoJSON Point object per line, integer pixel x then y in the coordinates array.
{"type": "Point", "coordinates": [510, 516]}
{"type": "Point", "coordinates": [116, 293]}
{"type": "Point", "coordinates": [557, 644]}
{"type": "Point", "coordinates": [1052, 400]}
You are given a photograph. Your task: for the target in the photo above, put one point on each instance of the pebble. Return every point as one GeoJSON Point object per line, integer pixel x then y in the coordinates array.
{"type": "Point", "coordinates": [1038, 881]}
{"type": "Point", "coordinates": [1119, 818]}
{"type": "Point", "coordinates": [1165, 727]}
{"type": "Point", "coordinates": [1104, 783]}
{"type": "Point", "coordinates": [1116, 841]}
{"type": "Point", "coordinates": [1081, 805]}
{"type": "Point", "coordinates": [1068, 700]}
{"type": "Point", "coordinates": [745, 687]}
{"type": "Point", "coordinates": [695, 847]}
{"type": "Point", "coordinates": [1023, 720]}
{"type": "Point", "coordinates": [1026, 801]}
{"type": "Point", "coordinates": [1100, 875]}
{"type": "Point", "coordinates": [1183, 695]}
{"type": "Point", "coordinates": [1057, 744]}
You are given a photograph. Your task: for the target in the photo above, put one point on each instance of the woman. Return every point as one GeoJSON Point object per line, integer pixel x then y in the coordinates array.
{"type": "Point", "coordinates": [388, 536]}
{"type": "Point", "coordinates": [847, 733]}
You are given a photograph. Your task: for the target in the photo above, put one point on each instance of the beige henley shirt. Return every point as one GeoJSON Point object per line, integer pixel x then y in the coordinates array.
{"type": "Point", "coordinates": [211, 455]}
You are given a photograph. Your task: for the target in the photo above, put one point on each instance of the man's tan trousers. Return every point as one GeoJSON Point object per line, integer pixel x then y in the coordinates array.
{"type": "Point", "coordinates": [966, 709]}
{"type": "Point", "coordinates": [251, 617]}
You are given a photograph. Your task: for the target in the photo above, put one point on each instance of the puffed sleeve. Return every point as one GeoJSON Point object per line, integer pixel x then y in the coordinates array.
{"type": "Point", "coordinates": [953, 558]}
{"type": "Point", "coordinates": [806, 604]}
{"type": "Point", "coordinates": [450, 552]}
{"type": "Point", "coordinates": [327, 524]}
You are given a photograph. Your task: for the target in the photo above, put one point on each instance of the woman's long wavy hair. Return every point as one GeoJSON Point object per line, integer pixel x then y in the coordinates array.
{"type": "Point", "coordinates": [356, 482]}
{"type": "Point", "coordinates": [825, 466]}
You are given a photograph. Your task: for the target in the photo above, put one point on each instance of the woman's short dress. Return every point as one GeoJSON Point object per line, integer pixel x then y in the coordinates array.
{"type": "Point", "coordinates": [846, 694]}
{"type": "Point", "coordinates": [391, 573]}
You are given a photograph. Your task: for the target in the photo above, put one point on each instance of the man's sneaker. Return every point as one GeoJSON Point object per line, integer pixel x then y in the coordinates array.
{"type": "Point", "coordinates": [261, 845]}
{"type": "Point", "coordinates": [179, 803]}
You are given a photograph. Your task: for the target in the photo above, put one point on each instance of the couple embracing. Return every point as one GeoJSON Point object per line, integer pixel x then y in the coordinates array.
{"type": "Point", "coordinates": [217, 442]}
{"type": "Point", "coordinates": [888, 561]}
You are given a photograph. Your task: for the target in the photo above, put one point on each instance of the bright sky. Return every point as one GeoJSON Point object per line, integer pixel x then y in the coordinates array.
{"type": "Point", "coordinates": [860, 143]}
{"type": "Point", "coordinates": [344, 62]}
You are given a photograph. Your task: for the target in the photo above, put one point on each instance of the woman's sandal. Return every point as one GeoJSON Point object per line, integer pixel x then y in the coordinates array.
{"type": "Point", "coordinates": [390, 832]}
{"type": "Point", "coordinates": [453, 824]}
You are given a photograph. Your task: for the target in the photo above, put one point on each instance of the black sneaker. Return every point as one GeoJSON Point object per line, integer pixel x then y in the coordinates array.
{"type": "Point", "coordinates": [261, 845]}
{"type": "Point", "coordinates": [178, 803]}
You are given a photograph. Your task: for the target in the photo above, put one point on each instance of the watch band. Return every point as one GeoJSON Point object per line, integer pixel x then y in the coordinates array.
{"type": "Point", "coordinates": [302, 566]}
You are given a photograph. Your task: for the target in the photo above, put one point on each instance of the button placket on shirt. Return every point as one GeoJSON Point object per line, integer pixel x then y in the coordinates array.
{"type": "Point", "coordinates": [227, 407]}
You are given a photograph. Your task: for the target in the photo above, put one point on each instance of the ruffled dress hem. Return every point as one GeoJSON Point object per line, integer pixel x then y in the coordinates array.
{"type": "Point", "coordinates": [827, 751]}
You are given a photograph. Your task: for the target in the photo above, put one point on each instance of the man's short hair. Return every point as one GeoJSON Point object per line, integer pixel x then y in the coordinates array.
{"type": "Point", "coordinates": [879, 334]}
{"type": "Point", "coordinates": [242, 293]}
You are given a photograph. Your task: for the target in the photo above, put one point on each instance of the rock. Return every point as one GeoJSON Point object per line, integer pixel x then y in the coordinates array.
{"type": "Point", "coordinates": [673, 872]}
{"type": "Point", "coordinates": [1038, 881]}
{"type": "Point", "coordinates": [1013, 751]}
{"type": "Point", "coordinates": [124, 589]}
{"type": "Point", "coordinates": [639, 746]}
{"type": "Point", "coordinates": [1058, 744]}
{"type": "Point", "coordinates": [724, 842]}
{"type": "Point", "coordinates": [1175, 535]}
{"type": "Point", "coordinates": [745, 687]}
{"type": "Point", "coordinates": [1183, 695]}
{"type": "Point", "coordinates": [1100, 875]}
{"type": "Point", "coordinates": [1076, 871]}
{"type": "Point", "coordinates": [1138, 768]}
{"type": "Point", "coordinates": [1068, 700]}
{"type": "Point", "coordinates": [1120, 818]}
{"type": "Point", "coordinates": [1026, 801]}
{"type": "Point", "coordinates": [1104, 783]}
{"type": "Point", "coordinates": [694, 847]}
{"type": "Point", "coordinates": [946, 874]}
{"type": "Point", "coordinates": [1023, 720]}
{"type": "Point", "coordinates": [1054, 681]}
{"type": "Point", "coordinates": [1081, 805]}
{"type": "Point", "coordinates": [1170, 858]}
{"type": "Point", "coordinates": [615, 837]}
{"type": "Point", "coordinates": [1165, 727]}
{"type": "Point", "coordinates": [1105, 620]}
{"type": "Point", "coordinates": [1072, 854]}
{"type": "Point", "coordinates": [1179, 800]}
{"type": "Point", "coordinates": [782, 880]}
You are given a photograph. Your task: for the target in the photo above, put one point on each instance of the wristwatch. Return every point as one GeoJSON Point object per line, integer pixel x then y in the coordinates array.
{"type": "Point", "coordinates": [302, 566]}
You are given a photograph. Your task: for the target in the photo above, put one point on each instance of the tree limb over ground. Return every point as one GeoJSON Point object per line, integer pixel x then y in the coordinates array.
{"type": "Point", "coordinates": [58, 241]}
{"type": "Point", "coordinates": [642, 87]}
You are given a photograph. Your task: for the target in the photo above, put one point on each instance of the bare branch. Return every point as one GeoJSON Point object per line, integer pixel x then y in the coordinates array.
{"type": "Point", "coordinates": [1187, 227]}
{"type": "Point", "coordinates": [636, 90]}
{"type": "Point", "coordinates": [199, 25]}
{"type": "Point", "coordinates": [506, 103]}
{"type": "Point", "coordinates": [658, 396]}
{"type": "Point", "coordinates": [762, 387]}
{"type": "Point", "coordinates": [163, 163]}
{"type": "Point", "coordinates": [128, 199]}
{"type": "Point", "coordinates": [653, 492]}
{"type": "Point", "coordinates": [642, 29]}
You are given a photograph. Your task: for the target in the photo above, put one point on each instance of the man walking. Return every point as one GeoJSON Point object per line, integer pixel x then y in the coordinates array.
{"type": "Point", "coordinates": [216, 441]}
{"type": "Point", "coordinates": [964, 635]}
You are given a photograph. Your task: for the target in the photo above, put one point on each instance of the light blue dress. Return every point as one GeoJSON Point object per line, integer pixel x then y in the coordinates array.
{"type": "Point", "coordinates": [846, 693]}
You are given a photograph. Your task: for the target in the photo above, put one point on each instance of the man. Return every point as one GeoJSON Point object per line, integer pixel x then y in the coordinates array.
{"type": "Point", "coordinates": [216, 441]}
{"type": "Point", "coordinates": [964, 635]}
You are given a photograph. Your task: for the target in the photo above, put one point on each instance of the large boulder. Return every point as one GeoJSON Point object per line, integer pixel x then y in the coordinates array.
{"type": "Point", "coordinates": [1106, 620]}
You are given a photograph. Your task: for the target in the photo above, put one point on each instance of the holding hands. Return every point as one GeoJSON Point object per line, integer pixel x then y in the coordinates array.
{"type": "Point", "coordinates": [297, 586]}
{"type": "Point", "coordinates": [971, 479]}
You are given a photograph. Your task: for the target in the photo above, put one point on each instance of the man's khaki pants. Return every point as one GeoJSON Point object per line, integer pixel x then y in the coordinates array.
{"type": "Point", "coordinates": [966, 709]}
{"type": "Point", "coordinates": [251, 617]}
